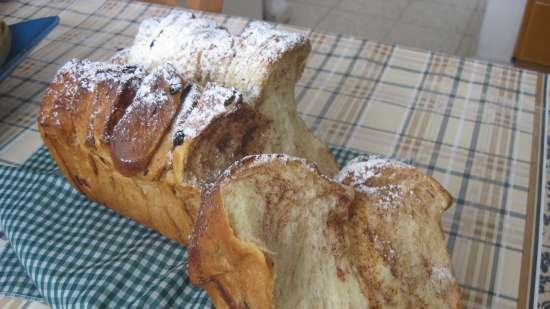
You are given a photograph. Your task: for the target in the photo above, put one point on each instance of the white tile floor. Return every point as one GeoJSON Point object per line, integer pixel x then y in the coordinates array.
{"type": "Point", "coordinates": [451, 26]}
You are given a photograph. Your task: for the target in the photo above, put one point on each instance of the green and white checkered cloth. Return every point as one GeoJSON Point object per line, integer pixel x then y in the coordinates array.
{"type": "Point", "coordinates": [73, 253]}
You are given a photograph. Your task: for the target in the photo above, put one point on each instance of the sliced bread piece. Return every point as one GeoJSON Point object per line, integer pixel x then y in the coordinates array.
{"type": "Point", "coordinates": [274, 233]}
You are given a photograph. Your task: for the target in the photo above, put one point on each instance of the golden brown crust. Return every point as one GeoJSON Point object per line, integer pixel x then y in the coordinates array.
{"type": "Point", "coordinates": [393, 240]}
{"type": "Point", "coordinates": [134, 138]}
{"type": "Point", "coordinates": [233, 272]}
{"type": "Point", "coordinates": [125, 138]}
{"type": "Point", "coordinates": [87, 118]}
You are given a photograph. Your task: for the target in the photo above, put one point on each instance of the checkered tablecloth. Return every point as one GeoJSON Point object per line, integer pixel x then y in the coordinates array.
{"type": "Point", "coordinates": [474, 126]}
{"type": "Point", "coordinates": [73, 253]}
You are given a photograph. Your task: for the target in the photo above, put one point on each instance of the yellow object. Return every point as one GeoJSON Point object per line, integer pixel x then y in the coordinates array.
{"type": "Point", "coordinates": [5, 41]}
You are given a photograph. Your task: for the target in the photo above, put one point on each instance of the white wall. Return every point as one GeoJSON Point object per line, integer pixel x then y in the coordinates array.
{"type": "Point", "coordinates": [247, 8]}
{"type": "Point", "coordinates": [499, 30]}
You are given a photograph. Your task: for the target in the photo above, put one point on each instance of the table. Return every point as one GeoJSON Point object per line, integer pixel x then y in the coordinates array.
{"type": "Point", "coordinates": [477, 127]}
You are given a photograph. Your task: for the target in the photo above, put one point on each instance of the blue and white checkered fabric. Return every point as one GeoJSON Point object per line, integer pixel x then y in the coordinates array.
{"type": "Point", "coordinates": [73, 253]}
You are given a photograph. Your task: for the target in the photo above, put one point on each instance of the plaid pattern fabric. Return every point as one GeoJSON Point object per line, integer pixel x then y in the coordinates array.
{"type": "Point", "coordinates": [469, 124]}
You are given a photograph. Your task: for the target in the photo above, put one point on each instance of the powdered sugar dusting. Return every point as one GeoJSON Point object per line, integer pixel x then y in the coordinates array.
{"type": "Point", "coordinates": [79, 76]}
{"type": "Point", "coordinates": [200, 108]}
{"type": "Point", "coordinates": [259, 159]}
{"type": "Point", "coordinates": [187, 106]}
{"type": "Point", "coordinates": [441, 277]}
{"type": "Point", "coordinates": [264, 158]}
{"type": "Point", "coordinates": [193, 45]}
{"type": "Point", "coordinates": [388, 195]}
{"type": "Point", "coordinates": [89, 74]}
{"type": "Point", "coordinates": [260, 38]}
{"type": "Point", "coordinates": [363, 168]}
{"type": "Point", "coordinates": [384, 247]}
{"type": "Point", "coordinates": [151, 101]}
{"type": "Point", "coordinates": [358, 172]}
{"type": "Point", "coordinates": [150, 91]}
{"type": "Point", "coordinates": [201, 50]}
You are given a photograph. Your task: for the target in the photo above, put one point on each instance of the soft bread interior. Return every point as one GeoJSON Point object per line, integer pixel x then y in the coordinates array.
{"type": "Point", "coordinates": [371, 240]}
{"type": "Point", "coordinates": [399, 248]}
{"type": "Point", "coordinates": [286, 212]}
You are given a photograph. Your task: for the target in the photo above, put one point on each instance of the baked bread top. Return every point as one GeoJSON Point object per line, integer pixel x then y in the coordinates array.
{"type": "Point", "coordinates": [274, 233]}
{"type": "Point", "coordinates": [144, 124]}
{"type": "Point", "coordinates": [201, 51]}
{"type": "Point", "coordinates": [262, 63]}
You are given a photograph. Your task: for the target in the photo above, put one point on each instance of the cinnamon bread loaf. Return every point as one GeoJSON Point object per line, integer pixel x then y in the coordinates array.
{"type": "Point", "coordinates": [274, 233]}
{"type": "Point", "coordinates": [144, 137]}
